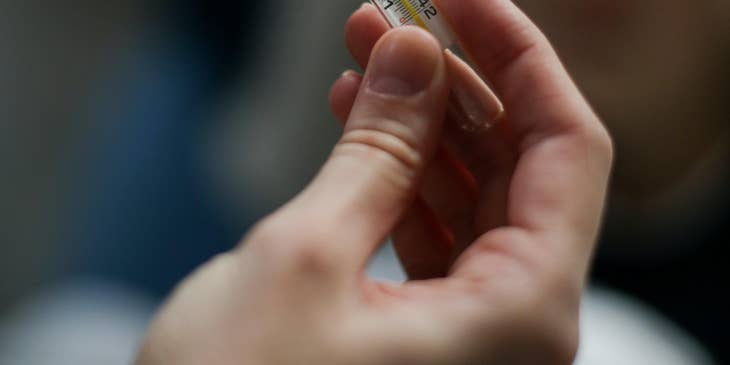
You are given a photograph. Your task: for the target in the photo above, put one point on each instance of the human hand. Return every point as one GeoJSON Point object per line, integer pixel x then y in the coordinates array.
{"type": "Point", "coordinates": [501, 235]}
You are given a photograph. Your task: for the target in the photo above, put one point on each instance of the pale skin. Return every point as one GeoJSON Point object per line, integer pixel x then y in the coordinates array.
{"type": "Point", "coordinates": [496, 229]}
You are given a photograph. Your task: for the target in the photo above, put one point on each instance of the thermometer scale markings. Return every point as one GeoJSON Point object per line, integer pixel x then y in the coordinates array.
{"type": "Point", "coordinates": [421, 13]}
{"type": "Point", "coordinates": [409, 9]}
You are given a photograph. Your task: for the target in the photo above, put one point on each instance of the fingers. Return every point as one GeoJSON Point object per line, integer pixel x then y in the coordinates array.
{"type": "Point", "coordinates": [423, 244]}
{"type": "Point", "coordinates": [475, 101]}
{"type": "Point", "coordinates": [475, 97]}
{"type": "Point", "coordinates": [343, 94]}
{"type": "Point", "coordinates": [362, 31]}
{"type": "Point", "coordinates": [449, 188]}
{"type": "Point", "coordinates": [441, 219]}
{"type": "Point", "coordinates": [391, 134]}
{"type": "Point", "coordinates": [519, 61]}
{"type": "Point", "coordinates": [564, 154]}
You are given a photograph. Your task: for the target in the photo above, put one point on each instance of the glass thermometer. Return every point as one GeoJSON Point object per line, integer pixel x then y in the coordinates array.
{"type": "Point", "coordinates": [472, 104]}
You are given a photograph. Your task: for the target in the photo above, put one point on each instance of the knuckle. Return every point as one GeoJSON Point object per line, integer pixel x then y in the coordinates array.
{"type": "Point", "coordinates": [395, 147]}
{"type": "Point", "coordinates": [292, 247]}
{"type": "Point", "coordinates": [600, 141]}
{"type": "Point", "coordinates": [313, 259]}
{"type": "Point", "coordinates": [532, 45]}
{"type": "Point", "coordinates": [604, 143]}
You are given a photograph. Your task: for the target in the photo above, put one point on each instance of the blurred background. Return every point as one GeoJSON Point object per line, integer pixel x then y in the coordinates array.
{"type": "Point", "coordinates": [140, 137]}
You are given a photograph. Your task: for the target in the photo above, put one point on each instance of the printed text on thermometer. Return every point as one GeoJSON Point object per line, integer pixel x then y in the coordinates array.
{"type": "Point", "coordinates": [426, 8]}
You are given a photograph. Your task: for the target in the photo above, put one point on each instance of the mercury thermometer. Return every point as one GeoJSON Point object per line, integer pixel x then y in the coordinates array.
{"type": "Point", "coordinates": [471, 104]}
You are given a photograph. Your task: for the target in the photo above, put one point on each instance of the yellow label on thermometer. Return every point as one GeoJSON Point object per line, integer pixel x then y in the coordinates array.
{"type": "Point", "coordinates": [422, 13]}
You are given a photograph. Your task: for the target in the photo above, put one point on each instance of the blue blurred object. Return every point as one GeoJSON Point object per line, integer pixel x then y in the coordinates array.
{"type": "Point", "coordinates": [144, 215]}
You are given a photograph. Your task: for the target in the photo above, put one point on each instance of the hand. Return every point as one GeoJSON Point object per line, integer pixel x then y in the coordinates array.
{"type": "Point", "coordinates": [498, 226]}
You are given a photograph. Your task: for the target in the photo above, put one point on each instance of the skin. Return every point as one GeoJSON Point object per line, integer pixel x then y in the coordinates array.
{"type": "Point", "coordinates": [500, 267]}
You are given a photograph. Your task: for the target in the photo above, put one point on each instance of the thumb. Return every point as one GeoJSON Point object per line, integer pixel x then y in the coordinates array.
{"type": "Point", "coordinates": [392, 133]}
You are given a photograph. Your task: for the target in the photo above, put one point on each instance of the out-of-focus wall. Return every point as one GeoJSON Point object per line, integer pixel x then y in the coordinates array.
{"type": "Point", "coordinates": [278, 128]}
{"type": "Point", "coordinates": [52, 52]}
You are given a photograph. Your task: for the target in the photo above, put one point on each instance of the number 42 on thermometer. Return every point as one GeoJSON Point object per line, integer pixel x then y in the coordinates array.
{"type": "Point", "coordinates": [429, 10]}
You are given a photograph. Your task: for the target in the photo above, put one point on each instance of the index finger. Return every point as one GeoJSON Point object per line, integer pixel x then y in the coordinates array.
{"type": "Point", "coordinates": [519, 61]}
{"type": "Point", "coordinates": [563, 152]}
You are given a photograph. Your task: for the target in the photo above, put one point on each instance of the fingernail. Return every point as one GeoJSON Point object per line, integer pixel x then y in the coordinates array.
{"type": "Point", "coordinates": [404, 62]}
{"type": "Point", "coordinates": [472, 104]}
{"type": "Point", "coordinates": [350, 74]}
